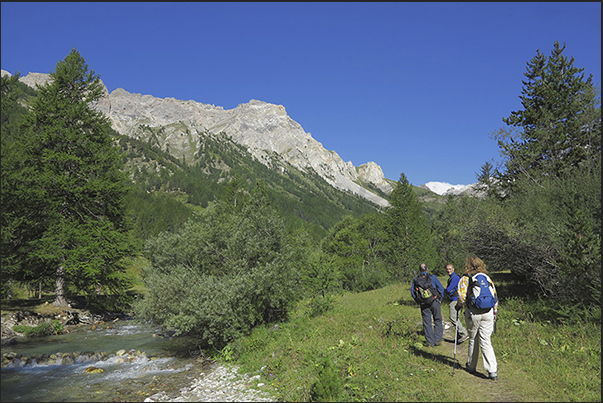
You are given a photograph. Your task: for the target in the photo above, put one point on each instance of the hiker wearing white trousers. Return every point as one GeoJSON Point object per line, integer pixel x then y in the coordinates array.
{"type": "Point", "coordinates": [480, 322]}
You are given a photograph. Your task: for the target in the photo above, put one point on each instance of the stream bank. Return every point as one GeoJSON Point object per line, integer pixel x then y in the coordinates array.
{"type": "Point", "coordinates": [114, 359]}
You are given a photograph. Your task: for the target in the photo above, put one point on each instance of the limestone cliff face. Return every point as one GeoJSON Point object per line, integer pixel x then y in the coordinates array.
{"type": "Point", "coordinates": [265, 129]}
{"type": "Point", "coordinates": [33, 79]}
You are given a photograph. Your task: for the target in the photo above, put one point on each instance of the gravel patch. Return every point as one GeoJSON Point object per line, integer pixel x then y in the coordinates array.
{"type": "Point", "coordinates": [222, 384]}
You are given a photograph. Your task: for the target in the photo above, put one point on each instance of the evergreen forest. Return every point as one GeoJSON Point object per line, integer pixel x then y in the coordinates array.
{"type": "Point", "coordinates": [217, 247]}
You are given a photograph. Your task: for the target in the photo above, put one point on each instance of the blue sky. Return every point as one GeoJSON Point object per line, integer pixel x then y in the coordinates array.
{"type": "Point", "coordinates": [417, 88]}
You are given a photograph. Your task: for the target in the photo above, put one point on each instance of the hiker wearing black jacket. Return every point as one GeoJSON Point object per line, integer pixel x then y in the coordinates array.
{"type": "Point", "coordinates": [430, 309]}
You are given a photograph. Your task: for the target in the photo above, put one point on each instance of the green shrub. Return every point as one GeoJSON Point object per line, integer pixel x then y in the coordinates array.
{"type": "Point", "coordinates": [328, 387]}
{"type": "Point", "coordinates": [320, 305]}
{"type": "Point", "coordinates": [227, 271]}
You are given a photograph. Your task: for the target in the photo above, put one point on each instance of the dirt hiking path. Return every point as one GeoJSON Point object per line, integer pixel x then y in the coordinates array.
{"type": "Point", "coordinates": [500, 390]}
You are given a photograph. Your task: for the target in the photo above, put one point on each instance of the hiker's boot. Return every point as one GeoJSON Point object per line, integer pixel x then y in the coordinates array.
{"type": "Point", "coordinates": [462, 339]}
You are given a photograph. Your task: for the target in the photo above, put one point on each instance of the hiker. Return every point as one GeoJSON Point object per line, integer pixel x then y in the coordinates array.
{"type": "Point", "coordinates": [452, 292]}
{"type": "Point", "coordinates": [480, 320]}
{"type": "Point", "coordinates": [429, 298]}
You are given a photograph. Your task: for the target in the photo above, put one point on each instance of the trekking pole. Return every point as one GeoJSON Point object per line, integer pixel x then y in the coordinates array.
{"type": "Point", "coordinates": [456, 332]}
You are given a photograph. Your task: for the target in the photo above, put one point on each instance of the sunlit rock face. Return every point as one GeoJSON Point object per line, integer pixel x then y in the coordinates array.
{"type": "Point", "coordinates": [264, 129]}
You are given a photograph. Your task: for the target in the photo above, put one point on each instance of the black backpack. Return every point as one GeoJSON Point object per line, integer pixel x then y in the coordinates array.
{"type": "Point", "coordinates": [425, 294]}
{"type": "Point", "coordinates": [484, 299]}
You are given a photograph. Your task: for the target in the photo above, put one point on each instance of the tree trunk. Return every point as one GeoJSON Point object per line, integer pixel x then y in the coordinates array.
{"type": "Point", "coordinates": [9, 290]}
{"type": "Point", "coordinates": [59, 290]}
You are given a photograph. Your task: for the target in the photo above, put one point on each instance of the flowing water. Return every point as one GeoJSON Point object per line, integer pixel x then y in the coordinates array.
{"type": "Point", "coordinates": [118, 362]}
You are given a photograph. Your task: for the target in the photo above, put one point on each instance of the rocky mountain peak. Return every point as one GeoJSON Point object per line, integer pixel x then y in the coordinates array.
{"type": "Point", "coordinates": [265, 129]}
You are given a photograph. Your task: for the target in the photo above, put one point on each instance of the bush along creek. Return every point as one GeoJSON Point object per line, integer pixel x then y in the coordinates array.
{"type": "Point", "coordinates": [76, 356]}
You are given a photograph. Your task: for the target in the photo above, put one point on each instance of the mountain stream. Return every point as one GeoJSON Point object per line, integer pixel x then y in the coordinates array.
{"type": "Point", "coordinates": [123, 361]}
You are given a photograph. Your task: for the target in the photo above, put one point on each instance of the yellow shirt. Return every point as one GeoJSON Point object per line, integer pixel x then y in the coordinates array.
{"type": "Point", "coordinates": [462, 291]}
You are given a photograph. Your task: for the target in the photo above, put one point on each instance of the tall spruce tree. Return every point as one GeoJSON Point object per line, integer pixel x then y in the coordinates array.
{"type": "Point", "coordinates": [12, 217]}
{"type": "Point", "coordinates": [410, 241]}
{"type": "Point", "coordinates": [559, 126]}
{"type": "Point", "coordinates": [71, 186]}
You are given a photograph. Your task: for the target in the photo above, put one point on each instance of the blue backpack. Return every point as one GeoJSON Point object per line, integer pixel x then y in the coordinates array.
{"type": "Point", "coordinates": [484, 299]}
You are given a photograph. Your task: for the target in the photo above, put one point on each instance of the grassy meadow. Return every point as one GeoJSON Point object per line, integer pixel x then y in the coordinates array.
{"type": "Point", "coordinates": [369, 347]}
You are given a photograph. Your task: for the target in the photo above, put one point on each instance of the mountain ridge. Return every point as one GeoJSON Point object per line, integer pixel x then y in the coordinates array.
{"type": "Point", "coordinates": [264, 128]}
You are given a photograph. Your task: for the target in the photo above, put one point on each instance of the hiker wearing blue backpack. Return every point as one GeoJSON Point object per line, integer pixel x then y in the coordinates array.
{"type": "Point", "coordinates": [428, 292]}
{"type": "Point", "coordinates": [477, 294]}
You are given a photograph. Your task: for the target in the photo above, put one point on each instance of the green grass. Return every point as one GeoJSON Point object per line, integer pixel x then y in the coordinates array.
{"type": "Point", "coordinates": [43, 329]}
{"type": "Point", "coordinates": [369, 348]}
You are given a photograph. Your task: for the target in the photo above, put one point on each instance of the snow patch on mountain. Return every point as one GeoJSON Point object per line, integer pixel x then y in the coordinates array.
{"type": "Point", "coordinates": [442, 188]}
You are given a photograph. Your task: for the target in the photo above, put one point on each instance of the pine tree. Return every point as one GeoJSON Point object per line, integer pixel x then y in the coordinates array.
{"type": "Point", "coordinates": [547, 226]}
{"type": "Point", "coordinates": [12, 217]}
{"type": "Point", "coordinates": [410, 240]}
{"type": "Point", "coordinates": [560, 125]}
{"type": "Point", "coordinates": [72, 186]}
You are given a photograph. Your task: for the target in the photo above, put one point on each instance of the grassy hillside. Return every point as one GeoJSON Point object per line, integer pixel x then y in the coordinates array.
{"type": "Point", "coordinates": [168, 189]}
{"type": "Point", "coordinates": [431, 202]}
{"type": "Point", "coordinates": [369, 348]}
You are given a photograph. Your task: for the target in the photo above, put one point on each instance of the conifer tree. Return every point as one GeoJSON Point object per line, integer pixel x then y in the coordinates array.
{"type": "Point", "coordinates": [12, 215]}
{"type": "Point", "coordinates": [560, 124]}
{"type": "Point", "coordinates": [548, 219]}
{"type": "Point", "coordinates": [410, 240]}
{"type": "Point", "coordinates": [72, 186]}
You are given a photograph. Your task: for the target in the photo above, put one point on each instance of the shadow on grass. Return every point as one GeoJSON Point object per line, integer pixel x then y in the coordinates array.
{"type": "Point", "coordinates": [406, 302]}
{"type": "Point", "coordinates": [443, 359]}
{"type": "Point", "coordinates": [20, 304]}
{"type": "Point", "coordinates": [98, 304]}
